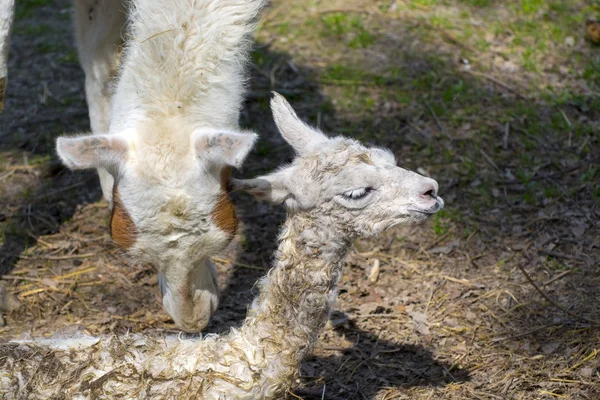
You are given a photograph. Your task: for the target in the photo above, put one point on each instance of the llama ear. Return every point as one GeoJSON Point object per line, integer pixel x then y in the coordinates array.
{"type": "Point", "coordinates": [298, 134]}
{"type": "Point", "coordinates": [92, 151]}
{"type": "Point", "coordinates": [273, 188]}
{"type": "Point", "coordinates": [224, 147]}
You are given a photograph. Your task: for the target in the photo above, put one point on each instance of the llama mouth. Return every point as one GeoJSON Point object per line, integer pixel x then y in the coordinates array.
{"type": "Point", "coordinates": [439, 204]}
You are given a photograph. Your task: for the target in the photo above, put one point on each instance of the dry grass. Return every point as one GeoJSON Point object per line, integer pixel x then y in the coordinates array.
{"type": "Point", "coordinates": [503, 114]}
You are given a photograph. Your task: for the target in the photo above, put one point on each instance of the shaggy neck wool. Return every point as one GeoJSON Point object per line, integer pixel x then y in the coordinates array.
{"type": "Point", "coordinates": [297, 295]}
{"type": "Point", "coordinates": [259, 361]}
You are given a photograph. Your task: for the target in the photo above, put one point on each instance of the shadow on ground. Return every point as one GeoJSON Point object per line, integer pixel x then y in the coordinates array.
{"type": "Point", "coordinates": [44, 99]}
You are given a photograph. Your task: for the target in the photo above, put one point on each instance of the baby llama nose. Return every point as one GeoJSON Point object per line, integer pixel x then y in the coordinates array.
{"type": "Point", "coordinates": [429, 190]}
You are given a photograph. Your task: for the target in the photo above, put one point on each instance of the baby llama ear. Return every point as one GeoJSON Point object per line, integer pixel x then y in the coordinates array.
{"type": "Point", "coordinates": [298, 134]}
{"type": "Point", "coordinates": [273, 188]}
{"type": "Point", "coordinates": [92, 151]}
{"type": "Point", "coordinates": [222, 147]}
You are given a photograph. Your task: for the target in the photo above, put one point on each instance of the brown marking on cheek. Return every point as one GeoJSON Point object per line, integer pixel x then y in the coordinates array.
{"type": "Point", "coordinates": [122, 228]}
{"type": "Point", "coordinates": [223, 215]}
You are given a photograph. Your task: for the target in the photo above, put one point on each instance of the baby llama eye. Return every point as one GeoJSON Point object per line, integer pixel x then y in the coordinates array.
{"type": "Point", "coordinates": [357, 194]}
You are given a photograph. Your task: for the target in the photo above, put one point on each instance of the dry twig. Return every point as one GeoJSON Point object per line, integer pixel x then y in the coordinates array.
{"type": "Point", "coordinates": [550, 300]}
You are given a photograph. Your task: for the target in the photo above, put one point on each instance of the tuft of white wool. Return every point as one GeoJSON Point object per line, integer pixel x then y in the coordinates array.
{"type": "Point", "coordinates": [7, 13]}
{"type": "Point", "coordinates": [186, 55]}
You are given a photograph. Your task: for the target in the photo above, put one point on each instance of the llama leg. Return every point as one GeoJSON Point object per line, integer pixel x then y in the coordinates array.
{"type": "Point", "coordinates": [98, 26]}
{"type": "Point", "coordinates": [7, 13]}
{"type": "Point", "coordinates": [190, 298]}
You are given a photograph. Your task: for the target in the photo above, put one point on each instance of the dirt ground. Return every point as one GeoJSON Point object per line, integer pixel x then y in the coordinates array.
{"type": "Point", "coordinates": [498, 101]}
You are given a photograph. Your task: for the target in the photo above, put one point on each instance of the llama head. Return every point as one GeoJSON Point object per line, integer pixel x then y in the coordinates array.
{"type": "Point", "coordinates": [341, 183]}
{"type": "Point", "coordinates": [169, 196]}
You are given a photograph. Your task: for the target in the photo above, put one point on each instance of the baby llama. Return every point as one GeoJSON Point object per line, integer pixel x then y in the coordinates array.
{"type": "Point", "coordinates": [334, 191]}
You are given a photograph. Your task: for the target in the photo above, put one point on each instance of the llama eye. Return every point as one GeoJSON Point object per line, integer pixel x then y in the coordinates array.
{"type": "Point", "coordinates": [357, 194]}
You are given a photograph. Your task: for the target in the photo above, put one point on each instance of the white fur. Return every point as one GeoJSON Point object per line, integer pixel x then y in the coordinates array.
{"type": "Point", "coordinates": [99, 26]}
{"type": "Point", "coordinates": [7, 14]}
{"type": "Point", "coordinates": [174, 110]}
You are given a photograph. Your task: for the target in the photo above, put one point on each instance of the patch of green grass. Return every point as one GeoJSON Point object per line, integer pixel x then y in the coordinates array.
{"type": "Point", "coordinates": [464, 14]}
{"type": "Point", "coordinates": [260, 58]}
{"type": "Point", "coordinates": [27, 193]}
{"type": "Point", "coordinates": [425, 81]}
{"type": "Point", "coordinates": [530, 196]}
{"type": "Point", "coordinates": [556, 265]}
{"type": "Point", "coordinates": [478, 3]}
{"type": "Point", "coordinates": [402, 97]}
{"type": "Point", "coordinates": [340, 72]}
{"type": "Point", "coordinates": [71, 100]}
{"type": "Point", "coordinates": [362, 39]}
{"type": "Point", "coordinates": [70, 58]}
{"type": "Point", "coordinates": [467, 33]}
{"type": "Point", "coordinates": [33, 30]}
{"type": "Point", "coordinates": [452, 93]}
{"type": "Point", "coordinates": [327, 107]}
{"type": "Point", "coordinates": [424, 3]}
{"type": "Point", "coordinates": [529, 60]}
{"type": "Point", "coordinates": [39, 159]}
{"type": "Point", "coordinates": [335, 24]}
{"type": "Point", "coordinates": [367, 103]}
{"type": "Point", "coordinates": [532, 6]}
{"type": "Point", "coordinates": [558, 6]}
{"type": "Point", "coordinates": [47, 48]}
{"type": "Point", "coordinates": [552, 192]}
{"type": "Point", "coordinates": [441, 21]}
{"type": "Point", "coordinates": [439, 226]}
{"type": "Point", "coordinates": [591, 73]}
{"type": "Point", "coordinates": [283, 29]}
{"type": "Point", "coordinates": [523, 176]}
{"type": "Point", "coordinates": [26, 8]}
{"type": "Point", "coordinates": [263, 150]}
{"type": "Point", "coordinates": [341, 25]}
{"type": "Point", "coordinates": [469, 167]}
{"type": "Point", "coordinates": [589, 175]}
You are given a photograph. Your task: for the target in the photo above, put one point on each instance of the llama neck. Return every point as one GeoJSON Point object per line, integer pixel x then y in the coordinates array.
{"type": "Point", "coordinates": [298, 293]}
{"type": "Point", "coordinates": [187, 59]}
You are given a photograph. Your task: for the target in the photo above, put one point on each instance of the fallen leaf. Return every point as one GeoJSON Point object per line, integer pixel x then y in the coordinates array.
{"type": "Point", "coordinates": [519, 246]}
{"type": "Point", "coordinates": [447, 249]}
{"type": "Point", "coordinates": [368, 308]}
{"type": "Point", "coordinates": [420, 323]}
{"type": "Point", "coordinates": [550, 348]}
{"type": "Point", "coordinates": [49, 282]}
{"type": "Point", "coordinates": [570, 41]}
{"type": "Point", "coordinates": [578, 231]}
{"type": "Point", "coordinates": [400, 308]}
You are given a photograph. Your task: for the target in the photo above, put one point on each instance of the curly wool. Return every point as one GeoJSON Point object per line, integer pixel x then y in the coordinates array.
{"type": "Point", "coordinates": [258, 361]}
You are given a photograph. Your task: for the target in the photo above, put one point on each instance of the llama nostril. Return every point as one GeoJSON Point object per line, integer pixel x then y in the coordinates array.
{"type": "Point", "coordinates": [430, 193]}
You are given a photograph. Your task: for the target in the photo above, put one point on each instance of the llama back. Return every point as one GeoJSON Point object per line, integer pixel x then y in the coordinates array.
{"type": "Point", "coordinates": [187, 56]}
